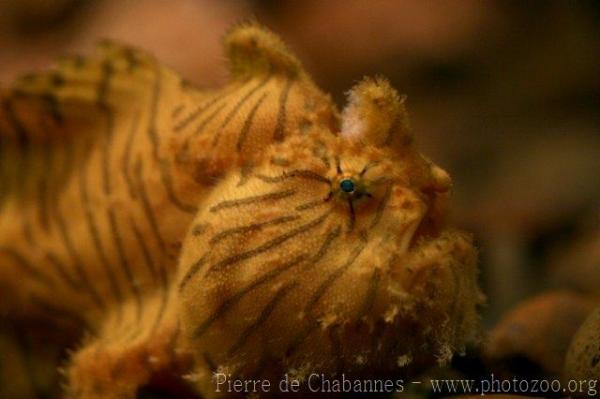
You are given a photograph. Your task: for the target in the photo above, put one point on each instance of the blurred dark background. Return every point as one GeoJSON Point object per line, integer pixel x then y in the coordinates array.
{"type": "Point", "coordinates": [504, 95]}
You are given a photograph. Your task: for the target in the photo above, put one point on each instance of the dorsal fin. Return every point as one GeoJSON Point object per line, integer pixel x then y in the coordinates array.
{"type": "Point", "coordinates": [70, 97]}
{"type": "Point", "coordinates": [47, 117]}
{"type": "Point", "coordinates": [252, 50]}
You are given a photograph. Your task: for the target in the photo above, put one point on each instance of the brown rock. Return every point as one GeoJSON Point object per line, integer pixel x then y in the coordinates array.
{"type": "Point", "coordinates": [539, 330]}
{"type": "Point", "coordinates": [583, 357]}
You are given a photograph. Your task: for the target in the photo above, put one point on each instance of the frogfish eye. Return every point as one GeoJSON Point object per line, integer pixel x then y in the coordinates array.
{"type": "Point", "coordinates": [347, 185]}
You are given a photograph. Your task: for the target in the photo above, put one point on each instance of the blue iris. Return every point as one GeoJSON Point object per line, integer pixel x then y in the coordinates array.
{"type": "Point", "coordinates": [347, 185]}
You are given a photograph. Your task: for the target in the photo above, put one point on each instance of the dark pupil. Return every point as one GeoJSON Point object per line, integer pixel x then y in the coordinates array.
{"type": "Point", "coordinates": [347, 185]}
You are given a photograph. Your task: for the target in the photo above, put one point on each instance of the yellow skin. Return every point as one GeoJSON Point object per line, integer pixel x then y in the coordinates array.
{"type": "Point", "coordinates": [281, 269]}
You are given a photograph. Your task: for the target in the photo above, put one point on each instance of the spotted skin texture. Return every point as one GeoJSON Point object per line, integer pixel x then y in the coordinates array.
{"type": "Point", "coordinates": [583, 357]}
{"type": "Point", "coordinates": [180, 231]}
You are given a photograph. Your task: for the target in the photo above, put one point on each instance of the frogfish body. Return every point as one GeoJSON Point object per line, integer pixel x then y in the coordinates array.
{"type": "Point", "coordinates": [251, 230]}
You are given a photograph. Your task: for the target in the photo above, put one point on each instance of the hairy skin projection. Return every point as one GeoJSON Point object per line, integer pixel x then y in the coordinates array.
{"type": "Point", "coordinates": [251, 229]}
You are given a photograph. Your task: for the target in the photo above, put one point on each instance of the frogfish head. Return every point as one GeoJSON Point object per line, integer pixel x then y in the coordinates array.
{"type": "Point", "coordinates": [333, 255]}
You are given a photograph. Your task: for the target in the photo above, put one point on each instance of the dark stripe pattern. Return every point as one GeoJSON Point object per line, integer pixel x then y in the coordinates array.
{"type": "Point", "coordinates": [268, 245]}
{"type": "Point", "coordinates": [248, 123]}
{"type": "Point", "coordinates": [229, 117]}
{"type": "Point", "coordinates": [297, 173]}
{"type": "Point", "coordinates": [279, 133]}
{"type": "Point", "coordinates": [273, 196]}
{"type": "Point", "coordinates": [236, 298]}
